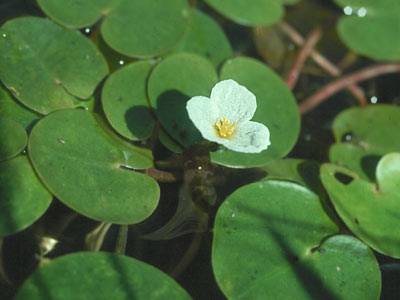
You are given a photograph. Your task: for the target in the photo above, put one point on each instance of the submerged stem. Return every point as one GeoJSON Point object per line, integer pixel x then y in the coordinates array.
{"type": "Point", "coordinates": [344, 82]}
{"type": "Point", "coordinates": [122, 239]}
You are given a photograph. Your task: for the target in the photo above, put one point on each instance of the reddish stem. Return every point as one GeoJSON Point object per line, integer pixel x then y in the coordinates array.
{"type": "Point", "coordinates": [163, 176]}
{"type": "Point", "coordinates": [301, 58]}
{"type": "Point", "coordinates": [346, 81]}
{"type": "Point", "coordinates": [324, 63]}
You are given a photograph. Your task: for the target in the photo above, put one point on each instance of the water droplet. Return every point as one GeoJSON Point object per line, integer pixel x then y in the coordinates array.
{"type": "Point", "coordinates": [4, 35]}
{"type": "Point", "coordinates": [373, 99]}
{"type": "Point", "coordinates": [307, 137]}
{"type": "Point", "coordinates": [338, 268]}
{"type": "Point", "coordinates": [348, 137]}
{"type": "Point", "coordinates": [199, 168]}
{"type": "Point", "coordinates": [348, 11]}
{"type": "Point", "coordinates": [121, 62]}
{"type": "Point", "coordinates": [233, 215]}
{"type": "Point", "coordinates": [87, 30]}
{"type": "Point", "coordinates": [87, 56]}
{"type": "Point", "coordinates": [362, 12]}
{"type": "Point", "coordinates": [61, 141]}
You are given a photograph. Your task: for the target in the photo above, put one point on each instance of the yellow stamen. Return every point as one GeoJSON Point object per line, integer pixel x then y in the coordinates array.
{"type": "Point", "coordinates": [225, 128]}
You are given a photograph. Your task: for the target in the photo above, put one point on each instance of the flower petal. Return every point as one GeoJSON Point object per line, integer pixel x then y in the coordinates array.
{"type": "Point", "coordinates": [250, 137]}
{"type": "Point", "coordinates": [204, 113]}
{"type": "Point", "coordinates": [234, 101]}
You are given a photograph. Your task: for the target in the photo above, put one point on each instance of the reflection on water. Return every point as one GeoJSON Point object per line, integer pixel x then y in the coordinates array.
{"type": "Point", "coordinates": [360, 12]}
{"type": "Point", "coordinates": [374, 99]}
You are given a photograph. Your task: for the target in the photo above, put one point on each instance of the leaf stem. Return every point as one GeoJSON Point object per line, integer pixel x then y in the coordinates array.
{"type": "Point", "coordinates": [163, 176]}
{"type": "Point", "coordinates": [346, 81]}
{"type": "Point", "coordinates": [301, 58]}
{"type": "Point", "coordinates": [122, 239]}
{"type": "Point", "coordinates": [323, 62]}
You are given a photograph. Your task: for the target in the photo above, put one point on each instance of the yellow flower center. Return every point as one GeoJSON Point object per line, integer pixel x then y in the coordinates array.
{"type": "Point", "coordinates": [225, 128]}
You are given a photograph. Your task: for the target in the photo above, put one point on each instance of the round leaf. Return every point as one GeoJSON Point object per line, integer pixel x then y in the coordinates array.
{"type": "Point", "coordinates": [88, 171]}
{"type": "Point", "coordinates": [58, 64]}
{"type": "Point", "coordinates": [205, 37]}
{"type": "Point", "coordinates": [13, 138]}
{"type": "Point", "coordinates": [100, 276]}
{"type": "Point", "coordinates": [135, 28]}
{"type": "Point", "coordinates": [77, 13]}
{"type": "Point", "coordinates": [171, 84]}
{"type": "Point", "coordinates": [258, 12]}
{"type": "Point", "coordinates": [369, 210]}
{"type": "Point", "coordinates": [276, 108]}
{"type": "Point", "coordinates": [23, 198]}
{"type": "Point", "coordinates": [267, 246]}
{"type": "Point", "coordinates": [12, 109]}
{"type": "Point", "coordinates": [125, 103]}
{"type": "Point", "coordinates": [372, 29]}
{"type": "Point", "coordinates": [373, 128]}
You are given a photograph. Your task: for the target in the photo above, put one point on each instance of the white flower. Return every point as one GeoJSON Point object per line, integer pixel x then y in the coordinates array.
{"type": "Point", "coordinates": [225, 117]}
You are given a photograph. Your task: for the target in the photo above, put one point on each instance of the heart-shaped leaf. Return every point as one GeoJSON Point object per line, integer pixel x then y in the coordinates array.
{"type": "Point", "coordinates": [23, 198]}
{"type": "Point", "coordinates": [135, 28]}
{"type": "Point", "coordinates": [371, 27]}
{"type": "Point", "coordinates": [205, 37]}
{"type": "Point", "coordinates": [363, 135]}
{"type": "Point", "coordinates": [46, 66]}
{"type": "Point", "coordinates": [373, 128]}
{"type": "Point", "coordinates": [355, 158]}
{"type": "Point", "coordinates": [125, 103]}
{"type": "Point", "coordinates": [100, 276]}
{"type": "Point", "coordinates": [267, 246]}
{"type": "Point", "coordinates": [171, 84]}
{"type": "Point", "coordinates": [88, 171]}
{"type": "Point", "coordinates": [276, 108]}
{"type": "Point", "coordinates": [13, 138]}
{"type": "Point", "coordinates": [371, 211]}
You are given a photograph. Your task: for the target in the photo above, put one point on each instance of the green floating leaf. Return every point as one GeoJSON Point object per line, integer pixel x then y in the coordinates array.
{"type": "Point", "coordinates": [12, 109]}
{"type": "Point", "coordinates": [58, 64]}
{"type": "Point", "coordinates": [355, 158]}
{"type": "Point", "coordinates": [77, 13]}
{"type": "Point", "coordinates": [276, 108]}
{"type": "Point", "coordinates": [100, 276]}
{"type": "Point", "coordinates": [13, 138]}
{"type": "Point", "coordinates": [371, 27]}
{"type": "Point", "coordinates": [371, 211]}
{"type": "Point", "coordinates": [258, 12]}
{"type": "Point", "coordinates": [125, 103]}
{"type": "Point", "coordinates": [171, 84]}
{"type": "Point", "coordinates": [363, 135]}
{"type": "Point", "coordinates": [265, 243]}
{"type": "Point", "coordinates": [90, 172]}
{"type": "Point", "coordinates": [304, 172]}
{"type": "Point", "coordinates": [374, 128]}
{"type": "Point", "coordinates": [205, 37]}
{"type": "Point", "coordinates": [135, 28]}
{"type": "Point", "coordinates": [23, 198]}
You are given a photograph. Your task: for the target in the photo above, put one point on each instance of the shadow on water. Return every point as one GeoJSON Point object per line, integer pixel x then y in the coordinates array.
{"type": "Point", "coordinates": [139, 120]}
{"type": "Point", "coordinates": [171, 110]}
